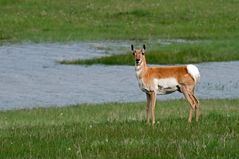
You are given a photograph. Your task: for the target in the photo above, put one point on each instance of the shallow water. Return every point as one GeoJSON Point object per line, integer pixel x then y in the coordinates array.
{"type": "Point", "coordinates": [31, 77]}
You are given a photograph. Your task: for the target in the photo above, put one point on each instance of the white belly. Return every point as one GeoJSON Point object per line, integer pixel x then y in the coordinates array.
{"type": "Point", "coordinates": [165, 85]}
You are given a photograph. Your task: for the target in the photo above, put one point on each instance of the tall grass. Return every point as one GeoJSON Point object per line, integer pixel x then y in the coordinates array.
{"type": "Point", "coordinates": [117, 130]}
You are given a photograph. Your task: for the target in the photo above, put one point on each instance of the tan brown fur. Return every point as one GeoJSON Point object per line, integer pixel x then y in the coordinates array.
{"type": "Point", "coordinates": [184, 82]}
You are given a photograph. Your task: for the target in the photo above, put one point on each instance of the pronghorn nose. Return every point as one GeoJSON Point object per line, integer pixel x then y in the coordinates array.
{"type": "Point", "coordinates": [137, 60]}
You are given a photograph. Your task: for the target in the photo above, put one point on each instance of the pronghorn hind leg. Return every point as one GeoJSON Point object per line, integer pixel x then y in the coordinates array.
{"type": "Point", "coordinates": [197, 112]}
{"type": "Point", "coordinates": [188, 95]}
{"type": "Point", "coordinates": [197, 107]}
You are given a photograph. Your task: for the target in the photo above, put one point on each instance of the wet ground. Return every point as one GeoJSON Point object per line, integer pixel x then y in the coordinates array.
{"type": "Point", "coordinates": [31, 77]}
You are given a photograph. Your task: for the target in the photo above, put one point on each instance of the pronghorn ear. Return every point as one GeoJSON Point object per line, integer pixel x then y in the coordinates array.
{"type": "Point", "coordinates": [143, 50]}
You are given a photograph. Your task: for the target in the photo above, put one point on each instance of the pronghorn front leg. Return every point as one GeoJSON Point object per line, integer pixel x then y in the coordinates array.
{"type": "Point", "coordinates": [153, 102]}
{"type": "Point", "coordinates": [148, 106]}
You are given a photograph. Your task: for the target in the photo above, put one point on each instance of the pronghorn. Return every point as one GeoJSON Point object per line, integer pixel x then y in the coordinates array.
{"type": "Point", "coordinates": [165, 80]}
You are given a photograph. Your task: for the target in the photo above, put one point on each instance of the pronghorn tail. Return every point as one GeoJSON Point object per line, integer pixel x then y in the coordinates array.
{"type": "Point", "coordinates": [194, 72]}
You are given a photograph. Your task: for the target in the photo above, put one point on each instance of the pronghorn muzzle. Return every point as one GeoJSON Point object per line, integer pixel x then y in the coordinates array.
{"type": "Point", "coordinates": [137, 61]}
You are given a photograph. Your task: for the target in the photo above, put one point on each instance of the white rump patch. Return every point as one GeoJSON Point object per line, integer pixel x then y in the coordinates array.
{"type": "Point", "coordinates": [194, 72]}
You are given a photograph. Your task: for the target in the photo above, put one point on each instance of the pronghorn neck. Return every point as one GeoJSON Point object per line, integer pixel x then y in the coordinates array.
{"type": "Point", "coordinates": [140, 69]}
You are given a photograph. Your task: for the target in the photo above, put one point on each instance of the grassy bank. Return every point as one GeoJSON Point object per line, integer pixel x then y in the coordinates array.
{"type": "Point", "coordinates": [119, 131]}
{"type": "Point", "coordinates": [203, 51]}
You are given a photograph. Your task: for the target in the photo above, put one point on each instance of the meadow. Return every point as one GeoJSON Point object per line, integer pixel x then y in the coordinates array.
{"type": "Point", "coordinates": [60, 20]}
{"type": "Point", "coordinates": [119, 130]}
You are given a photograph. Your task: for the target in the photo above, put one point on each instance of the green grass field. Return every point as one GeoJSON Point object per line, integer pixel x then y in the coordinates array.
{"type": "Point", "coordinates": [214, 23]}
{"type": "Point", "coordinates": [117, 130]}
{"type": "Point", "coordinates": [60, 20]}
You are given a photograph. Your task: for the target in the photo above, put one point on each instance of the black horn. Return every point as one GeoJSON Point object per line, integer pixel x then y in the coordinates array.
{"type": "Point", "coordinates": [144, 47]}
{"type": "Point", "coordinates": [132, 47]}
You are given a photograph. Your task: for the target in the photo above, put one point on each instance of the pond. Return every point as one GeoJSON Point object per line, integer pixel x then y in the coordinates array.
{"type": "Point", "coordinates": [30, 76]}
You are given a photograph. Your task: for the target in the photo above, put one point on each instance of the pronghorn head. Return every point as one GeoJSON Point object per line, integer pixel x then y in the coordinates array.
{"type": "Point", "coordinates": [138, 54]}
